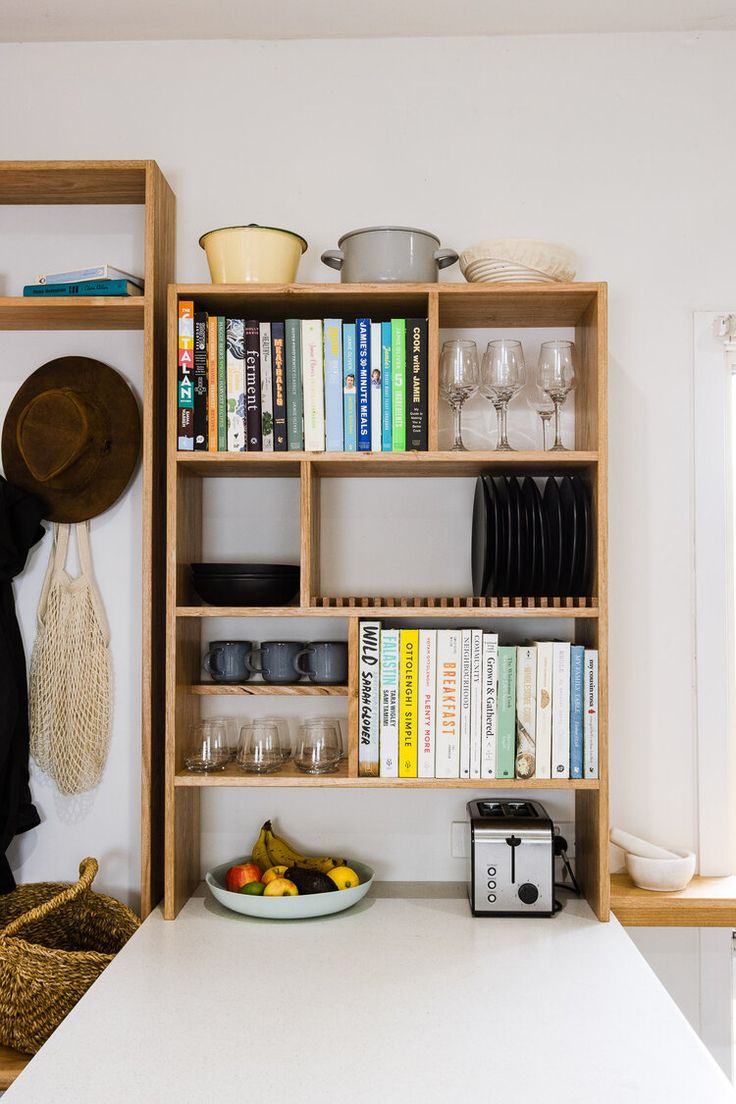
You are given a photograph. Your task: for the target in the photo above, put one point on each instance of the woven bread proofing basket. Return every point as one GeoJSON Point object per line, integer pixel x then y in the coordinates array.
{"type": "Point", "coordinates": [55, 940]}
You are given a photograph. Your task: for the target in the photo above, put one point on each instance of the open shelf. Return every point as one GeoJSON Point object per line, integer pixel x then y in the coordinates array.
{"type": "Point", "coordinates": [264, 689]}
{"type": "Point", "coordinates": [73, 312]}
{"type": "Point", "coordinates": [464, 607]}
{"type": "Point", "coordinates": [704, 903]}
{"type": "Point", "coordinates": [290, 776]}
{"type": "Point", "coordinates": [74, 182]}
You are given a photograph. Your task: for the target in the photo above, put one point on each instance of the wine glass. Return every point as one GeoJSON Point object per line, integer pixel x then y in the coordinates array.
{"type": "Point", "coordinates": [208, 749]}
{"type": "Point", "coordinates": [540, 401]}
{"type": "Point", "coordinates": [318, 749]}
{"type": "Point", "coordinates": [503, 374]}
{"type": "Point", "coordinates": [556, 377]}
{"type": "Point", "coordinates": [260, 750]}
{"type": "Point", "coordinates": [458, 381]}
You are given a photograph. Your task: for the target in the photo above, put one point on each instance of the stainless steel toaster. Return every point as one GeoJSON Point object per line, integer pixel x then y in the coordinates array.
{"type": "Point", "coordinates": [510, 859]}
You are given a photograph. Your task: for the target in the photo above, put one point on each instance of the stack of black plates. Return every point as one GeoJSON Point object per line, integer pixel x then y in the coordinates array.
{"type": "Point", "coordinates": [531, 537]}
{"type": "Point", "coordinates": [246, 584]}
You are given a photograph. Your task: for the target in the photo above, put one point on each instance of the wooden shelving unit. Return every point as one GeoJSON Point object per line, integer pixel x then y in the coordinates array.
{"type": "Point", "coordinates": [704, 903]}
{"type": "Point", "coordinates": [464, 306]}
{"type": "Point", "coordinates": [140, 183]}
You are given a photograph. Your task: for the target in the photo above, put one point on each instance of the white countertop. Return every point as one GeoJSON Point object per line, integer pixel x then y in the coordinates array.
{"type": "Point", "coordinates": [399, 999]}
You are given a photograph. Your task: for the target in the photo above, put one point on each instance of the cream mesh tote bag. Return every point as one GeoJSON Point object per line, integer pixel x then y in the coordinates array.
{"type": "Point", "coordinates": [70, 692]}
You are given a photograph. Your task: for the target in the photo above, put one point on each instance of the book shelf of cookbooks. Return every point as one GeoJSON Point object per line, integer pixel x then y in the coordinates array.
{"type": "Point", "coordinates": [579, 620]}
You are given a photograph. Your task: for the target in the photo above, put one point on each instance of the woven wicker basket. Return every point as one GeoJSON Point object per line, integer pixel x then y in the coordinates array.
{"type": "Point", "coordinates": [55, 940]}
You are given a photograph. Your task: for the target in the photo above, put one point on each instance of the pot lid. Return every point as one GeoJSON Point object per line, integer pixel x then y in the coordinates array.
{"type": "Point", "coordinates": [379, 229]}
{"type": "Point", "coordinates": [257, 226]}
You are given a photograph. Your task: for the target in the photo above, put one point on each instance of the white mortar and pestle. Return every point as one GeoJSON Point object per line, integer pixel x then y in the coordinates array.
{"type": "Point", "coordinates": [664, 870]}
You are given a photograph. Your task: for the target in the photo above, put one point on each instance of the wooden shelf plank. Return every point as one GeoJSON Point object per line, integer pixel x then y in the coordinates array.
{"type": "Point", "coordinates": [25, 182]}
{"type": "Point", "coordinates": [705, 903]}
{"type": "Point", "coordinates": [256, 689]}
{"type": "Point", "coordinates": [12, 1063]}
{"type": "Point", "coordinates": [380, 464]}
{"type": "Point", "coordinates": [388, 612]}
{"type": "Point", "coordinates": [75, 312]}
{"type": "Point", "coordinates": [290, 776]}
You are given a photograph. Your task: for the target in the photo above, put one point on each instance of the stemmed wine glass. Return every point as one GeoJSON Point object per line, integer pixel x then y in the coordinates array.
{"type": "Point", "coordinates": [540, 401]}
{"type": "Point", "coordinates": [556, 377]}
{"type": "Point", "coordinates": [458, 381]}
{"type": "Point", "coordinates": [503, 374]}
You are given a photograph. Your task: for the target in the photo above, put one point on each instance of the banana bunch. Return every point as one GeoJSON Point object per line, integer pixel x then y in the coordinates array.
{"type": "Point", "coordinates": [271, 850]}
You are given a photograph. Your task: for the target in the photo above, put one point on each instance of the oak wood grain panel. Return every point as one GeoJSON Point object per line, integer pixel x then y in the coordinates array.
{"type": "Point", "coordinates": [460, 612]}
{"type": "Point", "coordinates": [343, 778]}
{"type": "Point", "coordinates": [265, 689]}
{"type": "Point", "coordinates": [309, 532]}
{"type": "Point", "coordinates": [74, 312]}
{"type": "Point", "coordinates": [704, 903]}
{"type": "Point", "coordinates": [433, 370]}
{"type": "Point", "coordinates": [32, 182]}
{"type": "Point", "coordinates": [12, 1063]}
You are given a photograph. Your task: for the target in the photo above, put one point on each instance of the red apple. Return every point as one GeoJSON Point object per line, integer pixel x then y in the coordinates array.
{"type": "Point", "coordinates": [240, 875]}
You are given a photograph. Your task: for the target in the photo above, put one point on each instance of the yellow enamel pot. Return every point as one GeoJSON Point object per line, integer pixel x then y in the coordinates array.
{"type": "Point", "coordinates": [252, 254]}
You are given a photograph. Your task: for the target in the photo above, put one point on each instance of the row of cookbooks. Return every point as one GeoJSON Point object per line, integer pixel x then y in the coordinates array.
{"type": "Point", "coordinates": [314, 384]}
{"type": "Point", "coordinates": [453, 703]}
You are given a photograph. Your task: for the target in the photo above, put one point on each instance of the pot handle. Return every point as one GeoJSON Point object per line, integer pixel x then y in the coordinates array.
{"type": "Point", "coordinates": [334, 258]}
{"type": "Point", "coordinates": [445, 257]}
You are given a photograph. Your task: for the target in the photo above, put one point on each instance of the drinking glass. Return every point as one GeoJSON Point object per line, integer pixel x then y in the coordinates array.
{"type": "Point", "coordinates": [232, 728]}
{"type": "Point", "coordinates": [318, 748]}
{"type": "Point", "coordinates": [208, 749]}
{"type": "Point", "coordinates": [458, 381]}
{"type": "Point", "coordinates": [341, 736]}
{"type": "Point", "coordinates": [282, 724]}
{"type": "Point", "coordinates": [540, 401]}
{"type": "Point", "coordinates": [502, 374]}
{"type": "Point", "coordinates": [556, 377]}
{"type": "Point", "coordinates": [260, 750]}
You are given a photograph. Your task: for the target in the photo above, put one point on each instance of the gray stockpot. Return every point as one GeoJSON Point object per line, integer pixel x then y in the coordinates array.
{"type": "Point", "coordinates": [389, 255]}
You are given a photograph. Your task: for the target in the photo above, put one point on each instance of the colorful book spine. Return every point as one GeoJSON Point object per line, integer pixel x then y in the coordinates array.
{"type": "Point", "coordinates": [489, 711]}
{"type": "Point", "coordinates": [526, 711]}
{"type": "Point", "coordinates": [577, 706]}
{"type": "Point", "coordinates": [506, 741]}
{"type": "Point", "coordinates": [253, 434]}
{"type": "Point", "coordinates": [369, 681]}
{"type": "Point", "coordinates": [466, 647]}
{"type": "Point", "coordinates": [200, 382]}
{"type": "Point", "coordinates": [590, 722]}
{"type": "Point", "coordinates": [313, 385]}
{"type": "Point", "coordinates": [417, 384]}
{"type": "Point", "coordinates": [389, 715]}
{"type": "Point", "coordinates": [375, 387]}
{"type": "Point", "coordinates": [447, 726]}
{"type": "Point", "coordinates": [386, 392]}
{"type": "Point", "coordinates": [545, 653]}
{"type": "Point", "coordinates": [212, 383]}
{"type": "Point", "coordinates": [221, 385]}
{"type": "Point", "coordinates": [426, 706]}
{"type": "Point", "coordinates": [266, 386]}
{"type": "Point", "coordinates": [333, 384]}
{"type": "Point", "coordinates": [83, 287]}
{"type": "Point", "coordinates": [398, 385]}
{"type": "Point", "coordinates": [349, 392]}
{"type": "Point", "coordinates": [476, 700]}
{"type": "Point", "coordinates": [294, 402]}
{"type": "Point", "coordinates": [408, 699]}
{"type": "Point", "coordinates": [278, 371]}
{"type": "Point", "coordinates": [363, 357]}
{"type": "Point", "coordinates": [561, 710]}
{"type": "Point", "coordinates": [184, 380]}
{"type": "Point", "coordinates": [235, 337]}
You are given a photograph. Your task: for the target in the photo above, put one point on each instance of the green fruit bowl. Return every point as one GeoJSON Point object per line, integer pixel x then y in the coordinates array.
{"type": "Point", "coordinates": [287, 908]}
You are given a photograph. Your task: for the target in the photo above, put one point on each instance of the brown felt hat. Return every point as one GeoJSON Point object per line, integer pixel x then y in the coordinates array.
{"type": "Point", "coordinates": [71, 437]}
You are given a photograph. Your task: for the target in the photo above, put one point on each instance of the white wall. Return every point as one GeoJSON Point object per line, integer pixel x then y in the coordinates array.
{"type": "Point", "coordinates": [617, 145]}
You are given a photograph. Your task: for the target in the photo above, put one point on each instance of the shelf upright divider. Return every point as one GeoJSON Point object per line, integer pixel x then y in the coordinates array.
{"type": "Point", "coordinates": [309, 525]}
{"type": "Point", "coordinates": [433, 370]}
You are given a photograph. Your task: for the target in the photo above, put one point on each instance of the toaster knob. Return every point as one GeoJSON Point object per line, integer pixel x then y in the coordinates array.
{"type": "Point", "coordinates": [528, 893]}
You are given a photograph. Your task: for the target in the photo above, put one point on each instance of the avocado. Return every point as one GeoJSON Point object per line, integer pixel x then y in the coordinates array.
{"type": "Point", "coordinates": [310, 881]}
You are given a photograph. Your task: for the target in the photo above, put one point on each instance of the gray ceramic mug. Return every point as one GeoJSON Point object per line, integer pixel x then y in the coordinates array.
{"type": "Point", "coordinates": [227, 660]}
{"type": "Point", "coordinates": [278, 661]}
{"type": "Point", "coordinates": [325, 661]}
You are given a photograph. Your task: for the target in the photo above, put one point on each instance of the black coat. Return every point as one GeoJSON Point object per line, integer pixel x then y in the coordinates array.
{"type": "Point", "coordinates": [20, 529]}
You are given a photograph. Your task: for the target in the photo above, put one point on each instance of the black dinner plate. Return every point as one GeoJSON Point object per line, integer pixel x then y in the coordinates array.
{"type": "Point", "coordinates": [479, 543]}
{"type": "Point", "coordinates": [495, 539]}
{"type": "Point", "coordinates": [500, 582]}
{"type": "Point", "coordinates": [552, 537]}
{"type": "Point", "coordinates": [583, 562]}
{"type": "Point", "coordinates": [535, 536]}
{"type": "Point", "coordinates": [570, 554]}
{"type": "Point", "coordinates": [517, 542]}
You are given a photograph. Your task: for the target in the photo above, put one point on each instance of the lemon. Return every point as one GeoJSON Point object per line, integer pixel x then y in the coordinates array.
{"type": "Point", "coordinates": [344, 877]}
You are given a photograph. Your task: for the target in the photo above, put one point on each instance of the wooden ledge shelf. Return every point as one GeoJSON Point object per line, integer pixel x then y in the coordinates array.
{"type": "Point", "coordinates": [705, 903]}
{"type": "Point", "coordinates": [74, 312]}
{"type": "Point", "coordinates": [24, 182]}
{"type": "Point", "coordinates": [290, 776]}
{"type": "Point", "coordinates": [256, 689]}
{"type": "Point", "coordinates": [12, 1063]}
{"type": "Point", "coordinates": [332, 465]}
{"type": "Point", "coordinates": [396, 610]}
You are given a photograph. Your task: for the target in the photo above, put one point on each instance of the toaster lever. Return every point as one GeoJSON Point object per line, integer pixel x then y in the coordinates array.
{"type": "Point", "coordinates": [513, 842]}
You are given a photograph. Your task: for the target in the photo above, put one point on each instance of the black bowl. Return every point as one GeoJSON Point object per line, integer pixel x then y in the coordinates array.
{"type": "Point", "coordinates": [247, 590]}
{"type": "Point", "coordinates": [249, 569]}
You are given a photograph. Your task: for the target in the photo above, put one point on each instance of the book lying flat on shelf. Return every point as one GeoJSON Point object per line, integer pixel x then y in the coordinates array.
{"type": "Point", "coordinates": [82, 287]}
{"type": "Point", "coordinates": [96, 272]}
